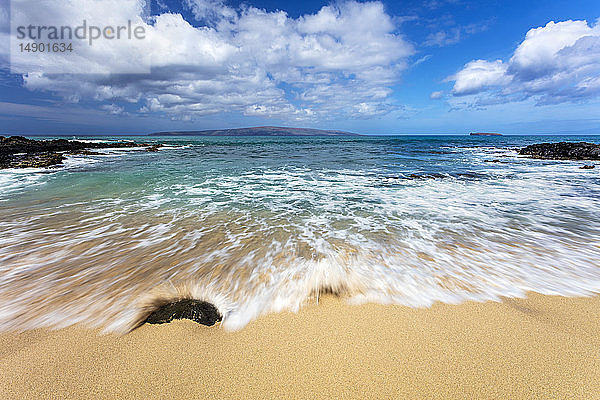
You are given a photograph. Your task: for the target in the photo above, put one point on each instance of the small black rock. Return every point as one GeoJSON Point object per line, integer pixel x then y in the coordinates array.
{"type": "Point", "coordinates": [153, 148]}
{"type": "Point", "coordinates": [196, 310]}
{"type": "Point", "coordinates": [427, 176]}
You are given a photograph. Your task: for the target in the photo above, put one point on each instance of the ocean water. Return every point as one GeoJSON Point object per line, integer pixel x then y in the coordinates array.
{"type": "Point", "coordinates": [264, 224]}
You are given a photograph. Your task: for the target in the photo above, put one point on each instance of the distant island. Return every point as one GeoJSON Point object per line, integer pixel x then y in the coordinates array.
{"type": "Point", "coordinates": [258, 131]}
{"type": "Point", "coordinates": [485, 134]}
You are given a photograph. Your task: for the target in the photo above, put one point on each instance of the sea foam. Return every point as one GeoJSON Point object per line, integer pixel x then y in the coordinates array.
{"type": "Point", "coordinates": [258, 237]}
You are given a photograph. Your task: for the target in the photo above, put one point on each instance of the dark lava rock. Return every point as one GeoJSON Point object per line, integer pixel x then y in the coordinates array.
{"type": "Point", "coordinates": [427, 176]}
{"type": "Point", "coordinates": [154, 148]}
{"type": "Point", "coordinates": [85, 152]}
{"type": "Point", "coordinates": [437, 175]}
{"type": "Point", "coordinates": [592, 166]}
{"type": "Point", "coordinates": [563, 151]}
{"type": "Point", "coordinates": [200, 311]}
{"type": "Point", "coordinates": [38, 160]}
{"type": "Point", "coordinates": [20, 152]}
{"type": "Point", "coordinates": [469, 175]}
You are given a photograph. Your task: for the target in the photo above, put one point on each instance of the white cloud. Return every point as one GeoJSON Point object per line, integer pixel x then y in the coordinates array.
{"type": "Point", "coordinates": [538, 54]}
{"type": "Point", "coordinates": [255, 62]}
{"type": "Point", "coordinates": [4, 33]}
{"type": "Point", "coordinates": [559, 62]}
{"type": "Point", "coordinates": [479, 75]}
{"type": "Point", "coordinates": [86, 55]}
{"type": "Point", "coordinates": [113, 109]}
{"type": "Point", "coordinates": [421, 60]}
{"type": "Point", "coordinates": [210, 10]}
{"type": "Point", "coordinates": [436, 95]}
{"type": "Point", "coordinates": [443, 38]}
{"type": "Point", "coordinates": [453, 35]}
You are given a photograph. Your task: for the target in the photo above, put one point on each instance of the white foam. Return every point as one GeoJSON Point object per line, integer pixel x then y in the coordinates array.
{"type": "Point", "coordinates": [272, 239]}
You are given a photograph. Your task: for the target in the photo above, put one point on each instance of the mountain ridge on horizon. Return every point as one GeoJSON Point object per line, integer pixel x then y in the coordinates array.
{"type": "Point", "coordinates": [259, 131]}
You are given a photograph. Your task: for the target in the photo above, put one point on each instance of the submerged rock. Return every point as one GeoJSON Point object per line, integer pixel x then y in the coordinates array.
{"type": "Point", "coordinates": [563, 151]}
{"type": "Point", "coordinates": [433, 175]}
{"type": "Point", "coordinates": [154, 148]}
{"type": "Point", "coordinates": [199, 311]}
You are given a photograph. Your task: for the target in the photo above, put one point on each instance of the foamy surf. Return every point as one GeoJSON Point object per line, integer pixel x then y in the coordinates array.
{"type": "Point", "coordinates": [104, 243]}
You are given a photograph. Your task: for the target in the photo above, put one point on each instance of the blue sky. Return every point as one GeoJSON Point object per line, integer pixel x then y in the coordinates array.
{"type": "Point", "coordinates": [432, 67]}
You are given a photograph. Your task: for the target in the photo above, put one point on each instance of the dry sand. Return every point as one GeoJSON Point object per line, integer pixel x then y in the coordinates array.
{"type": "Point", "coordinates": [539, 347]}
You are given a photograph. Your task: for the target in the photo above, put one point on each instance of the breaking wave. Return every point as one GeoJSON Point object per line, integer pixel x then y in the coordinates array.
{"type": "Point", "coordinates": [104, 243]}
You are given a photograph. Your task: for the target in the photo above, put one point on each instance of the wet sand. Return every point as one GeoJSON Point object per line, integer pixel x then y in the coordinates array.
{"type": "Point", "coordinates": [539, 347]}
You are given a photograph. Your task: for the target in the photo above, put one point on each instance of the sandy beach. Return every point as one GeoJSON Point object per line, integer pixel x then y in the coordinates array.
{"type": "Point", "coordinates": [538, 347]}
{"type": "Point", "coordinates": [365, 199]}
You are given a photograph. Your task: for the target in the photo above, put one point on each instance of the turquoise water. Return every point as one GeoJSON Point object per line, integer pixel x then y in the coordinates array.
{"type": "Point", "coordinates": [263, 224]}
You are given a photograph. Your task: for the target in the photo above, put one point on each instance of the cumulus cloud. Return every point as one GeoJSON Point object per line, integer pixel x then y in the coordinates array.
{"type": "Point", "coordinates": [479, 75]}
{"type": "Point", "coordinates": [559, 62]}
{"type": "Point", "coordinates": [341, 60]}
{"type": "Point", "coordinates": [88, 54]}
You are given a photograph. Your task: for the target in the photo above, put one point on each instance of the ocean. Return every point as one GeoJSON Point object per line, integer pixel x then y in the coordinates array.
{"type": "Point", "coordinates": [264, 224]}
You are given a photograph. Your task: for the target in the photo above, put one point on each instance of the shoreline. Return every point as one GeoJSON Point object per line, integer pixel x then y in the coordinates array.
{"type": "Point", "coordinates": [537, 347]}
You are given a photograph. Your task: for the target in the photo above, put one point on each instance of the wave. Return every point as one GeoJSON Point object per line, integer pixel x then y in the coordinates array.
{"type": "Point", "coordinates": [109, 281]}
{"type": "Point", "coordinates": [107, 249]}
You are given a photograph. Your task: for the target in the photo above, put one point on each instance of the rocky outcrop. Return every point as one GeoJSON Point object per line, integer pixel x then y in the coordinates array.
{"type": "Point", "coordinates": [196, 310]}
{"type": "Point", "coordinates": [563, 151]}
{"type": "Point", "coordinates": [85, 152]}
{"type": "Point", "coordinates": [154, 148]}
{"type": "Point", "coordinates": [20, 152]}
{"type": "Point", "coordinates": [37, 160]}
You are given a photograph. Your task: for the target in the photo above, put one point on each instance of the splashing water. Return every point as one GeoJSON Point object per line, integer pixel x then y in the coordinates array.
{"type": "Point", "coordinates": [257, 225]}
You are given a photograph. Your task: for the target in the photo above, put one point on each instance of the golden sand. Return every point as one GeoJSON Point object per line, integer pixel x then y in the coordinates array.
{"type": "Point", "coordinates": [539, 347]}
